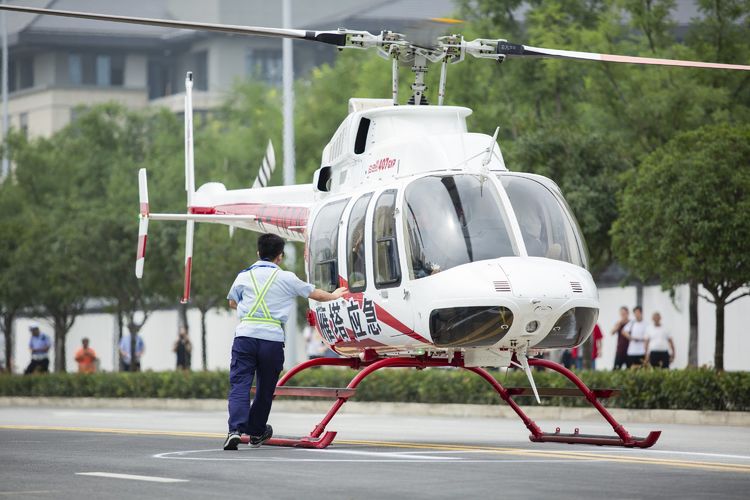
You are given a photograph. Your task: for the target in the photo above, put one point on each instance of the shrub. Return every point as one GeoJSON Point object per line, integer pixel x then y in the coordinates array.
{"type": "Point", "coordinates": [693, 389]}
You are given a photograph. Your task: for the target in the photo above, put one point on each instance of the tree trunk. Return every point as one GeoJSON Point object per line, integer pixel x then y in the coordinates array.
{"type": "Point", "coordinates": [120, 315]}
{"type": "Point", "coordinates": [719, 349]}
{"type": "Point", "coordinates": [203, 340]}
{"type": "Point", "coordinates": [639, 293]}
{"type": "Point", "coordinates": [693, 340]}
{"type": "Point", "coordinates": [133, 353]}
{"type": "Point", "coordinates": [8, 332]}
{"type": "Point", "coordinates": [60, 332]}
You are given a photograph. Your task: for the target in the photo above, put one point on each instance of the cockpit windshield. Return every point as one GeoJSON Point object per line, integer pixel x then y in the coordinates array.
{"type": "Point", "coordinates": [452, 220]}
{"type": "Point", "coordinates": [547, 225]}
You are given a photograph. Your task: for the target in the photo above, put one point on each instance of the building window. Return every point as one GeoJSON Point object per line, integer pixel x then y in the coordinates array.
{"type": "Point", "coordinates": [75, 69]}
{"type": "Point", "coordinates": [264, 64]}
{"type": "Point", "coordinates": [160, 78]}
{"type": "Point", "coordinates": [117, 71]}
{"type": "Point", "coordinates": [26, 73]}
{"type": "Point", "coordinates": [103, 71]}
{"type": "Point", "coordinates": [20, 73]}
{"type": "Point", "coordinates": [200, 70]}
{"type": "Point", "coordinates": [23, 123]}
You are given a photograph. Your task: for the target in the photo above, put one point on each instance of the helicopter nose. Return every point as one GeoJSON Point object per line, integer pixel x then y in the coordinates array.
{"type": "Point", "coordinates": [508, 302]}
{"type": "Point", "coordinates": [537, 279]}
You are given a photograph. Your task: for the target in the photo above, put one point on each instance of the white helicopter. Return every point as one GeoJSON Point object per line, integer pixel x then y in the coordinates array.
{"type": "Point", "coordinates": [450, 259]}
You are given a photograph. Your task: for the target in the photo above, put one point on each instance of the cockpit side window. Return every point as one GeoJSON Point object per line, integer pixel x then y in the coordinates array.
{"type": "Point", "coordinates": [452, 220]}
{"type": "Point", "coordinates": [387, 269]}
{"type": "Point", "coordinates": [547, 226]}
{"type": "Point", "coordinates": [355, 244]}
{"type": "Point", "coordinates": [324, 268]}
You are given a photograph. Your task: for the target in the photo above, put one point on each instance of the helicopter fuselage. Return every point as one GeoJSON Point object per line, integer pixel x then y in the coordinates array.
{"type": "Point", "coordinates": [442, 248]}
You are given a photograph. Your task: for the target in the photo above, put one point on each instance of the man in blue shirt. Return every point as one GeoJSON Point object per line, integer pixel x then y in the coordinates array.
{"type": "Point", "coordinates": [125, 358]}
{"type": "Point", "coordinates": [39, 345]}
{"type": "Point", "coordinates": [262, 295]}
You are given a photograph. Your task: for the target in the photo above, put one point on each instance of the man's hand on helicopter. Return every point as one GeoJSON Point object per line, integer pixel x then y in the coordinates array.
{"type": "Point", "coordinates": [323, 296]}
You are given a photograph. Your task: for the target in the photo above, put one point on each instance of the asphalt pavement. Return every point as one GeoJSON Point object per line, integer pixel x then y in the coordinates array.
{"type": "Point", "coordinates": [117, 453]}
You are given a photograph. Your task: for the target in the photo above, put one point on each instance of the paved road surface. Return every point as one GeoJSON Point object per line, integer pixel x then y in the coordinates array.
{"type": "Point", "coordinates": [62, 453]}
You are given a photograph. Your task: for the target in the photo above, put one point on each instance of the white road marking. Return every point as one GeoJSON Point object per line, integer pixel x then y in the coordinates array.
{"type": "Point", "coordinates": [636, 451]}
{"type": "Point", "coordinates": [153, 479]}
{"type": "Point", "coordinates": [403, 455]}
{"type": "Point", "coordinates": [29, 492]}
{"type": "Point", "coordinates": [233, 457]}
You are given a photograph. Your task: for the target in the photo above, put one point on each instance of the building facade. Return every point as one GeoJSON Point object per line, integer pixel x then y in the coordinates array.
{"type": "Point", "coordinates": [57, 64]}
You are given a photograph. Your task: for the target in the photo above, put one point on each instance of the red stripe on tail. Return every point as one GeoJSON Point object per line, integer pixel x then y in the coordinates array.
{"type": "Point", "coordinates": [141, 252]}
{"type": "Point", "coordinates": [186, 290]}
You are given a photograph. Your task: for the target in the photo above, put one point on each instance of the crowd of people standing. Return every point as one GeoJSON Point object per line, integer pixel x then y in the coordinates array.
{"type": "Point", "coordinates": [640, 343]}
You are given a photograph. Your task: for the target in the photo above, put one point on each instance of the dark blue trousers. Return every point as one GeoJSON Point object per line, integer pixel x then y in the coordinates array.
{"type": "Point", "coordinates": [252, 356]}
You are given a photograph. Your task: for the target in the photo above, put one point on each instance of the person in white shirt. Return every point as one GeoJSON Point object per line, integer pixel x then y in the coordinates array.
{"type": "Point", "coordinates": [659, 344]}
{"type": "Point", "coordinates": [635, 332]}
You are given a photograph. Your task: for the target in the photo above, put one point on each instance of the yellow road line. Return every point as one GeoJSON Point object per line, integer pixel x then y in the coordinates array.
{"type": "Point", "coordinates": [104, 430]}
{"type": "Point", "coordinates": [575, 455]}
{"type": "Point", "coordinates": [562, 454]}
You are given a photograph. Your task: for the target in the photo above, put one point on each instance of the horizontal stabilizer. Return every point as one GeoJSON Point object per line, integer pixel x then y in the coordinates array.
{"type": "Point", "coordinates": [219, 218]}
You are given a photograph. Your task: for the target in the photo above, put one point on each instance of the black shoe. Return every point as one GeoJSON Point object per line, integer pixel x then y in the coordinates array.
{"type": "Point", "coordinates": [233, 439]}
{"type": "Point", "coordinates": [256, 441]}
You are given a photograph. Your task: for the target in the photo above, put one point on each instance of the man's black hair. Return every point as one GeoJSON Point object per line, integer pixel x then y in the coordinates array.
{"type": "Point", "coordinates": [637, 308]}
{"type": "Point", "coordinates": [270, 246]}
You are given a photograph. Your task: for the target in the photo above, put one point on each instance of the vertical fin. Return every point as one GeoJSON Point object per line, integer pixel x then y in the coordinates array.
{"type": "Point", "coordinates": [267, 166]}
{"type": "Point", "coordinates": [189, 183]}
{"type": "Point", "coordinates": [140, 257]}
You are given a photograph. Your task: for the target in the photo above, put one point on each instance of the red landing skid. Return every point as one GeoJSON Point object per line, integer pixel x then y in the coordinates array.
{"type": "Point", "coordinates": [320, 438]}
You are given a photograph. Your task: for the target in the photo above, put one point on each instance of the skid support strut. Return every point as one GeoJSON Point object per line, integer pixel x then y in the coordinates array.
{"type": "Point", "coordinates": [320, 438]}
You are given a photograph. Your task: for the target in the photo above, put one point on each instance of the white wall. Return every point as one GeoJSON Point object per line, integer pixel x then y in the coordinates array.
{"type": "Point", "coordinates": [160, 332]}
{"type": "Point", "coordinates": [674, 314]}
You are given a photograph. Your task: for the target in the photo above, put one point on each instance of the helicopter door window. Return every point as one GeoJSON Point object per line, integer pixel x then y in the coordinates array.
{"type": "Point", "coordinates": [547, 226]}
{"type": "Point", "coordinates": [323, 246]}
{"type": "Point", "coordinates": [387, 269]}
{"type": "Point", "coordinates": [355, 244]}
{"type": "Point", "coordinates": [453, 220]}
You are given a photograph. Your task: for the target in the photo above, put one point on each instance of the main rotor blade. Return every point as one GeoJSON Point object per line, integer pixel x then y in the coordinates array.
{"type": "Point", "coordinates": [330, 37]}
{"type": "Point", "coordinates": [515, 50]}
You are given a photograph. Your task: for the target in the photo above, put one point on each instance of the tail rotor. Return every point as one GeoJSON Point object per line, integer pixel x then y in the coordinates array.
{"type": "Point", "coordinates": [140, 257]}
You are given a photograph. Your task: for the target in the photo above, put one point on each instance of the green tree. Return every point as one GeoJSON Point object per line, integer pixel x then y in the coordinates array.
{"type": "Point", "coordinates": [683, 217]}
{"type": "Point", "coordinates": [14, 294]}
{"type": "Point", "coordinates": [81, 187]}
{"type": "Point", "coordinates": [58, 277]}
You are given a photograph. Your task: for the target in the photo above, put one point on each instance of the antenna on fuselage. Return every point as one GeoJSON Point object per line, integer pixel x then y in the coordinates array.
{"type": "Point", "coordinates": [491, 148]}
{"type": "Point", "coordinates": [521, 356]}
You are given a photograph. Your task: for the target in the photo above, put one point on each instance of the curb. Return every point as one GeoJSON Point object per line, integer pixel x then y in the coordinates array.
{"type": "Point", "coordinates": [681, 417]}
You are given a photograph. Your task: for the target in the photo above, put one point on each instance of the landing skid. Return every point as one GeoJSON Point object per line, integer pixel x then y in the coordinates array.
{"type": "Point", "coordinates": [320, 438]}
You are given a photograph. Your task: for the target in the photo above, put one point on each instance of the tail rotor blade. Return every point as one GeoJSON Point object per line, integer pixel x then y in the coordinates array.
{"type": "Point", "coordinates": [140, 257]}
{"type": "Point", "coordinates": [189, 232]}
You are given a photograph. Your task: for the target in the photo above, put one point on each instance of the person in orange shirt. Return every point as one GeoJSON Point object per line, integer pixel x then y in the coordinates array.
{"type": "Point", "coordinates": [86, 358]}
